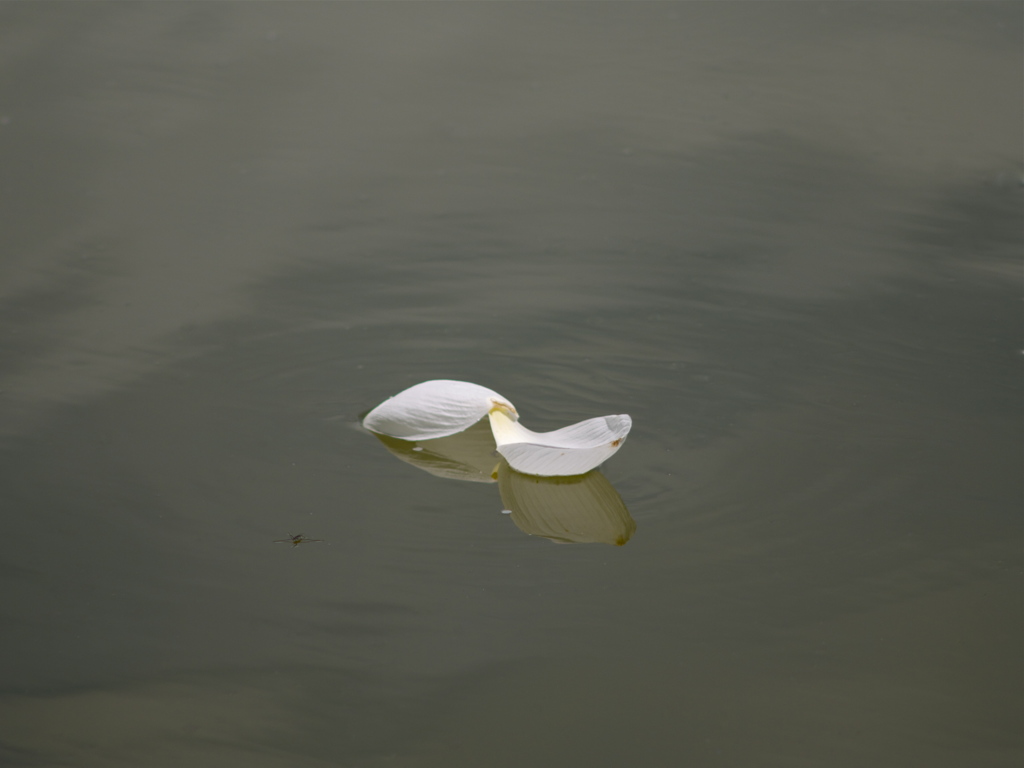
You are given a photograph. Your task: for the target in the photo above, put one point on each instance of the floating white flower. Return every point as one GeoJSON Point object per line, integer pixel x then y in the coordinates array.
{"type": "Point", "coordinates": [442, 407]}
{"type": "Point", "coordinates": [578, 508]}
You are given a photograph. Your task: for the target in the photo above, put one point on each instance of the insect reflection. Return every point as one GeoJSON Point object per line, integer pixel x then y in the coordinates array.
{"type": "Point", "coordinates": [296, 540]}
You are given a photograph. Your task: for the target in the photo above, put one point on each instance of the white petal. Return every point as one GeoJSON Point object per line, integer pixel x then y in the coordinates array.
{"type": "Point", "coordinates": [571, 450]}
{"type": "Point", "coordinates": [434, 409]}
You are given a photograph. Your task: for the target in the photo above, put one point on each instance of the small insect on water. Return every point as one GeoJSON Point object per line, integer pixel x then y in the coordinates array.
{"type": "Point", "coordinates": [296, 540]}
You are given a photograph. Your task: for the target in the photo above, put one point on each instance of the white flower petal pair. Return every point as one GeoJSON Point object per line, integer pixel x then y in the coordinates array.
{"type": "Point", "coordinates": [442, 407]}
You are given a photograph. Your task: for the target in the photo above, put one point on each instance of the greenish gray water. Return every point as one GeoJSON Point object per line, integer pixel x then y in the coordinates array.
{"type": "Point", "coordinates": [785, 238]}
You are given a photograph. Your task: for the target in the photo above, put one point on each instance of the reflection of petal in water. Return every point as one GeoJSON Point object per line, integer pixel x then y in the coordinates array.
{"type": "Point", "coordinates": [581, 508]}
{"type": "Point", "coordinates": [468, 455]}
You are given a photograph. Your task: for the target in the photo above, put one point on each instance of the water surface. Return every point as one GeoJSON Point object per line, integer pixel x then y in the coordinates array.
{"type": "Point", "coordinates": [785, 238]}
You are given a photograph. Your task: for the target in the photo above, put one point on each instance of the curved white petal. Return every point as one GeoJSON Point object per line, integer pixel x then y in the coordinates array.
{"type": "Point", "coordinates": [571, 450]}
{"type": "Point", "coordinates": [434, 409]}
